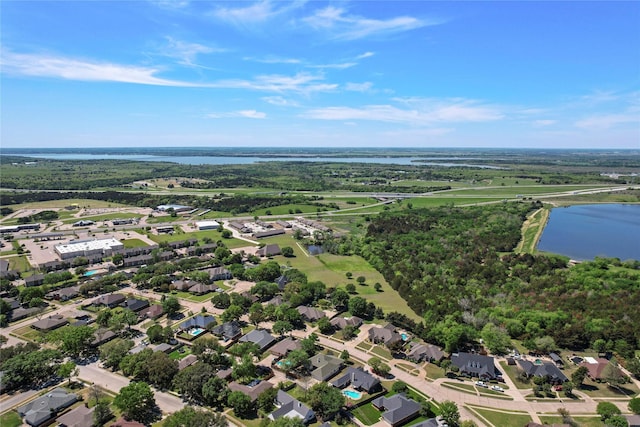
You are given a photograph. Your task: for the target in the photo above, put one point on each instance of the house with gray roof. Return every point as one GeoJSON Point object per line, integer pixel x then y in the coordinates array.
{"type": "Point", "coordinates": [102, 335]}
{"type": "Point", "coordinates": [432, 422]}
{"type": "Point", "coordinates": [152, 312]}
{"type": "Point", "coordinates": [77, 417]}
{"type": "Point", "coordinates": [50, 323]}
{"type": "Point", "coordinates": [387, 335]}
{"type": "Point", "coordinates": [135, 304]}
{"type": "Point", "coordinates": [109, 300]}
{"type": "Point", "coordinates": [228, 331]}
{"type": "Point", "coordinates": [424, 352]}
{"type": "Point", "coordinates": [219, 273]}
{"type": "Point", "coordinates": [359, 379]}
{"type": "Point", "coordinates": [43, 409]}
{"type": "Point", "coordinates": [543, 369]}
{"type": "Point", "coordinates": [475, 365]}
{"type": "Point", "coordinates": [341, 322]}
{"type": "Point", "coordinates": [64, 294]}
{"type": "Point", "coordinates": [271, 249]}
{"type": "Point", "coordinates": [198, 321]}
{"type": "Point", "coordinates": [310, 314]}
{"type": "Point", "coordinates": [183, 285]}
{"type": "Point", "coordinates": [633, 420]}
{"type": "Point", "coordinates": [290, 407]}
{"type": "Point", "coordinates": [201, 289]}
{"type": "Point", "coordinates": [398, 409]}
{"type": "Point", "coordinates": [253, 389]}
{"type": "Point", "coordinates": [259, 336]}
{"type": "Point", "coordinates": [325, 366]}
{"type": "Point", "coordinates": [187, 361]}
{"type": "Point", "coordinates": [34, 280]}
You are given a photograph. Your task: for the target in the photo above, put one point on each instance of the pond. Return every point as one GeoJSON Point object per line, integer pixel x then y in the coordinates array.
{"type": "Point", "coordinates": [315, 249]}
{"type": "Point", "coordinates": [583, 232]}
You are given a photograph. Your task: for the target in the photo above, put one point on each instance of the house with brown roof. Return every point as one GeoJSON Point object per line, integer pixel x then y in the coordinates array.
{"type": "Point", "coordinates": [187, 361]}
{"type": "Point", "coordinates": [424, 352]}
{"type": "Point", "coordinates": [183, 285]}
{"type": "Point", "coordinates": [201, 289]}
{"type": "Point", "coordinates": [80, 416]}
{"type": "Point", "coordinates": [122, 422]}
{"type": "Point", "coordinates": [325, 366]}
{"type": "Point", "coordinates": [253, 389]}
{"type": "Point", "coordinates": [310, 314]}
{"type": "Point", "coordinates": [50, 323]}
{"type": "Point", "coordinates": [282, 348]}
{"type": "Point", "coordinates": [152, 312]}
{"type": "Point", "coordinates": [219, 273]}
{"type": "Point", "coordinates": [341, 322]}
{"type": "Point", "coordinates": [595, 367]}
{"type": "Point", "coordinates": [269, 250]}
{"type": "Point", "coordinates": [109, 300]}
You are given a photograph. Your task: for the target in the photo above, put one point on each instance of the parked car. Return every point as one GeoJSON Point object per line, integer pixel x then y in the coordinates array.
{"type": "Point", "coordinates": [481, 384]}
{"type": "Point", "coordinates": [497, 388]}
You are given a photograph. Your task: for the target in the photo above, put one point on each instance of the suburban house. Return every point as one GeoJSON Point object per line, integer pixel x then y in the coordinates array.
{"type": "Point", "coordinates": [43, 409]}
{"type": "Point", "coordinates": [102, 335]}
{"type": "Point", "coordinates": [201, 289]}
{"type": "Point", "coordinates": [325, 366]}
{"type": "Point", "coordinates": [219, 273]}
{"type": "Point", "coordinates": [424, 352]}
{"type": "Point", "coordinates": [269, 250]}
{"type": "Point", "coordinates": [151, 312]}
{"type": "Point", "coordinates": [122, 422]}
{"type": "Point", "coordinates": [341, 322]}
{"type": "Point", "coordinates": [50, 323]}
{"type": "Point", "coordinates": [198, 321]}
{"type": "Point", "coordinates": [543, 369]}
{"type": "Point", "coordinates": [291, 408]}
{"type": "Point", "coordinates": [282, 348]}
{"type": "Point", "coordinates": [557, 360]}
{"type": "Point", "coordinates": [77, 417]}
{"type": "Point", "coordinates": [259, 336]}
{"type": "Point", "coordinates": [633, 420]}
{"type": "Point", "coordinates": [187, 361]}
{"type": "Point", "coordinates": [595, 367]}
{"type": "Point", "coordinates": [64, 294]}
{"type": "Point", "coordinates": [432, 422]}
{"type": "Point", "coordinates": [398, 409]}
{"type": "Point", "coordinates": [34, 280]}
{"type": "Point", "coordinates": [109, 300]}
{"type": "Point", "coordinates": [268, 233]}
{"type": "Point", "coordinates": [475, 365]}
{"type": "Point", "coordinates": [164, 348]}
{"type": "Point", "coordinates": [183, 285]}
{"type": "Point", "coordinates": [387, 335]}
{"type": "Point", "coordinates": [277, 300]}
{"type": "Point", "coordinates": [359, 379]}
{"type": "Point", "coordinates": [253, 389]}
{"type": "Point", "coordinates": [227, 331]}
{"type": "Point", "coordinates": [310, 314]}
{"type": "Point", "coordinates": [135, 304]}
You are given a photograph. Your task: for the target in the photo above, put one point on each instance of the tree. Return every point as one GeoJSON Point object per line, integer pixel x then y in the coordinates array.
{"type": "Point", "coordinates": [325, 400]}
{"type": "Point", "coordinates": [606, 410]}
{"type": "Point", "coordinates": [67, 370]}
{"type": "Point", "coordinates": [286, 421]}
{"type": "Point", "coordinates": [161, 369]}
{"type": "Point", "coordinates": [379, 367]}
{"type": "Point", "coordinates": [171, 305]}
{"type": "Point", "coordinates": [351, 288]}
{"type": "Point", "coordinates": [349, 332]}
{"type": "Point", "coordinates": [345, 356]}
{"type": "Point", "coordinates": [266, 400]}
{"type": "Point", "coordinates": [191, 417]}
{"type": "Point", "coordinates": [241, 404]}
{"type": "Point", "coordinates": [233, 312]}
{"type": "Point", "coordinates": [102, 413]}
{"type": "Point", "coordinates": [377, 286]}
{"type": "Point", "coordinates": [340, 298]}
{"type": "Point", "coordinates": [449, 412]}
{"type": "Point", "coordinates": [496, 339]}
{"type": "Point", "coordinates": [361, 280]}
{"type": "Point", "coordinates": [245, 370]}
{"type": "Point", "coordinates": [73, 340]}
{"type": "Point", "coordinates": [190, 381]}
{"type": "Point", "coordinates": [324, 326]}
{"type": "Point", "coordinates": [612, 374]}
{"type": "Point", "coordinates": [577, 378]}
{"type": "Point", "coordinates": [399, 387]}
{"type": "Point", "coordinates": [633, 365]}
{"type": "Point", "coordinates": [545, 344]}
{"type": "Point", "coordinates": [215, 393]}
{"type": "Point", "coordinates": [117, 259]}
{"type": "Point", "coordinates": [634, 405]}
{"type": "Point", "coordinates": [568, 388]}
{"type": "Point", "coordinates": [445, 365]}
{"type": "Point", "coordinates": [156, 334]}
{"type": "Point", "coordinates": [617, 421]}
{"type": "Point", "coordinates": [287, 251]}
{"type": "Point", "coordinates": [256, 314]}
{"type": "Point", "coordinates": [114, 351]}
{"type": "Point", "coordinates": [349, 274]}
{"type": "Point", "coordinates": [308, 344]}
{"type": "Point", "coordinates": [281, 327]}
{"type": "Point", "coordinates": [358, 306]}
{"type": "Point", "coordinates": [136, 402]}
{"type": "Point", "coordinates": [221, 300]}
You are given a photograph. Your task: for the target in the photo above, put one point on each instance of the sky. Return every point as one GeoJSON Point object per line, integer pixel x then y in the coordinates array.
{"type": "Point", "coordinates": [524, 74]}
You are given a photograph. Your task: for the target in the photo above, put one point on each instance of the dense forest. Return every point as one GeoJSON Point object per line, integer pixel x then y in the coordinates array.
{"type": "Point", "coordinates": [454, 267]}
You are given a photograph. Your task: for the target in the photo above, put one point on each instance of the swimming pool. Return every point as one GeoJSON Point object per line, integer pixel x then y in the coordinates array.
{"type": "Point", "coordinates": [352, 394]}
{"type": "Point", "coordinates": [404, 336]}
{"type": "Point", "coordinates": [90, 273]}
{"type": "Point", "coordinates": [196, 331]}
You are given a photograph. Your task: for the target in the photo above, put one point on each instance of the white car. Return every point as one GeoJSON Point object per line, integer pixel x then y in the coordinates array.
{"type": "Point", "coordinates": [497, 388]}
{"type": "Point", "coordinates": [481, 384]}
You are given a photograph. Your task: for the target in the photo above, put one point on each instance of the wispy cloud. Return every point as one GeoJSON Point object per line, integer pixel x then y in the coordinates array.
{"type": "Point", "coordinates": [273, 60]}
{"type": "Point", "coordinates": [42, 65]}
{"type": "Point", "coordinates": [365, 55]}
{"type": "Point", "coordinates": [280, 101]}
{"type": "Point", "coordinates": [358, 87]}
{"type": "Point", "coordinates": [544, 122]}
{"type": "Point", "coordinates": [255, 13]}
{"type": "Point", "coordinates": [430, 112]}
{"type": "Point", "coordinates": [336, 66]}
{"type": "Point", "coordinates": [300, 83]}
{"type": "Point", "coordinates": [607, 121]}
{"type": "Point", "coordinates": [248, 114]}
{"type": "Point", "coordinates": [186, 52]}
{"type": "Point", "coordinates": [341, 25]}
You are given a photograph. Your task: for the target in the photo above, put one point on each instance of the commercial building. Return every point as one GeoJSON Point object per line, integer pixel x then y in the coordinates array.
{"type": "Point", "coordinates": [86, 248]}
{"type": "Point", "coordinates": [207, 225]}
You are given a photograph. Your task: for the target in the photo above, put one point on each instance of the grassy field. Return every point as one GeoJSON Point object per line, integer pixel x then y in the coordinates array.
{"type": "Point", "coordinates": [104, 217]}
{"type": "Point", "coordinates": [19, 263]}
{"type": "Point", "coordinates": [133, 243]}
{"type": "Point", "coordinates": [532, 230]}
{"type": "Point", "coordinates": [81, 203]}
{"type": "Point", "coordinates": [524, 190]}
{"type": "Point", "coordinates": [499, 418]}
{"type": "Point", "coordinates": [10, 419]}
{"type": "Point", "coordinates": [512, 371]}
{"type": "Point", "coordinates": [332, 269]}
{"type": "Point", "coordinates": [582, 421]}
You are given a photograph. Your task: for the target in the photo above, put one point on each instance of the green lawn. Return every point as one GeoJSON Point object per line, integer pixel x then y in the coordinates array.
{"type": "Point", "coordinates": [177, 355]}
{"type": "Point", "coordinates": [332, 269]}
{"type": "Point", "coordinates": [104, 217]}
{"type": "Point", "coordinates": [512, 371]}
{"type": "Point", "coordinates": [10, 419]}
{"type": "Point", "coordinates": [19, 263]}
{"type": "Point", "coordinates": [582, 421]}
{"type": "Point", "coordinates": [133, 243]}
{"type": "Point", "coordinates": [502, 419]}
{"type": "Point", "coordinates": [367, 414]}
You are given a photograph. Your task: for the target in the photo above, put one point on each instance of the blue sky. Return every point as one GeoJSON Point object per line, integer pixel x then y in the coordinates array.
{"type": "Point", "coordinates": [320, 74]}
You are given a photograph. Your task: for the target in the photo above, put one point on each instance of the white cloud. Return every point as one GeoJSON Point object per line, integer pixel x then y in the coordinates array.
{"type": "Point", "coordinates": [300, 83]}
{"type": "Point", "coordinates": [365, 55]}
{"type": "Point", "coordinates": [186, 52]}
{"type": "Point", "coordinates": [41, 65]}
{"type": "Point", "coordinates": [607, 121]}
{"type": "Point", "coordinates": [429, 113]}
{"type": "Point", "coordinates": [337, 66]}
{"type": "Point", "coordinates": [358, 87]}
{"type": "Point", "coordinates": [273, 60]}
{"type": "Point", "coordinates": [248, 114]}
{"type": "Point", "coordinates": [255, 13]}
{"type": "Point", "coordinates": [350, 27]}
{"type": "Point", "coordinates": [280, 101]}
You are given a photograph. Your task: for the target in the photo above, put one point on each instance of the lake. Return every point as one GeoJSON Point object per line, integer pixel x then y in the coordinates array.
{"type": "Point", "coordinates": [583, 232]}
